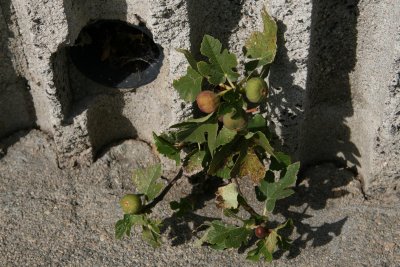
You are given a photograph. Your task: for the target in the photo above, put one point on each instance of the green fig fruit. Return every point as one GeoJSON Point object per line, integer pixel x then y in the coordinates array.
{"type": "Point", "coordinates": [131, 204]}
{"type": "Point", "coordinates": [207, 101]}
{"type": "Point", "coordinates": [235, 122]}
{"type": "Point", "coordinates": [256, 89]}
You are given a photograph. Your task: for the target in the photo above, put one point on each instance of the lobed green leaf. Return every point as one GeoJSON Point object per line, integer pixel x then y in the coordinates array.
{"type": "Point", "coordinates": [196, 133]}
{"type": "Point", "coordinates": [125, 225]}
{"type": "Point", "coordinates": [226, 236]}
{"type": "Point", "coordinates": [151, 233]}
{"type": "Point", "coordinates": [145, 181]}
{"type": "Point", "coordinates": [256, 123]}
{"type": "Point", "coordinates": [189, 86]}
{"type": "Point", "coordinates": [221, 65]}
{"type": "Point", "coordinates": [166, 148]}
{"type": "Point", "coordinates": [224, 137]}
{"type": "Point", "coordinates": [279, 190]}
{"type": "Point", "coordinates": [260, 252]}
{"type": "Point", "coordinates": [189, 57]}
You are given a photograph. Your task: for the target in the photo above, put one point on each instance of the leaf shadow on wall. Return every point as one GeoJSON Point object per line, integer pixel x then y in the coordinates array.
{"type": "Point", "coordinates": [183, 229]}
{"type": "Point", "coordinates": [285, 98]}
{"type": "Point", "coordinates": [216, 18]}
{"type": "Point", "coordinates": [324, 136]}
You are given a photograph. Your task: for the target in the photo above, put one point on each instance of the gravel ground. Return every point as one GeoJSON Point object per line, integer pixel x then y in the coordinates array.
{"type": "Point", "coordinates": [55, 217]}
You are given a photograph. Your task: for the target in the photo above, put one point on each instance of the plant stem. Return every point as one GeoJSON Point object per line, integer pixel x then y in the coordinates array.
{"type": "Point", "coordinates": [161, 196]}
{"type": "Point", "coordinates": [225, 91]}
{"type": "Point", "coordinates": [244, 203]}
{"type": "Point", "coordinates": [252, 110]}
{"type": "Point", "coordinates": [226, 87]}
{"type": "Point", "coordinates": [231, 84]}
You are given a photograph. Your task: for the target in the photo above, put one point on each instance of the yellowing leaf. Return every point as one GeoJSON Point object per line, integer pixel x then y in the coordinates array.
{"type": "Point", "coordinates": [227, 197]}
{"type": "Point", "coordinates": [193, 164]}
{"type": "Point", "coordinates": [252, 167]}
{"type": "Point", "coordinates": [271, 242]}
{"type": "Point", "coordinates": [262, 45]}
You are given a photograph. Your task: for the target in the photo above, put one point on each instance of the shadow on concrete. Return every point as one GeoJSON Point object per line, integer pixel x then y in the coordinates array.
{"type": "Point", "coordinates": [106, 123]}
{"type": "Point", "coordinates": [324, 182]}
{"type": "Point", "coordinates": [325, 137]}
{"type": "Point", "coordinates": [184, 228]}
{"type": "Point", "coordinates": [285, 101]}
{"type": "Point", "coordinates": [332, 57]}
{"type": "Point", "coordinates": [216, 18]}
{"type": "Point", "coordinates": [17, 113]}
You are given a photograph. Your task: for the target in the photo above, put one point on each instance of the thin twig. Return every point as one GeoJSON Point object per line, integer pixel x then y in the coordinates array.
{"type": "Point", "coordinates": [252, 110]}
{"type": "Point", "coordinates": [165, 191]}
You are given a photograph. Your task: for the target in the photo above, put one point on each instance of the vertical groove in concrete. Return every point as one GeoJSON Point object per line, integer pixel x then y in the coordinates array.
{"type": "Point", "coordinates": [326, 135]}
{"type": "Point", "coordinates": [376, 124]}
{"type": "Point", "coordinates": [16, 107]}
{"type": "Point", "coordinates": [288, 75]}
{"type": "Point", "coordinates": [335, 82]}
{"type": "Point", "coordinates": [41, 34]}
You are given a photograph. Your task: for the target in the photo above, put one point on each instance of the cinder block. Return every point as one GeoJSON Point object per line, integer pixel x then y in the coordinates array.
{"type": "Point", "coordinates": [334, 83]}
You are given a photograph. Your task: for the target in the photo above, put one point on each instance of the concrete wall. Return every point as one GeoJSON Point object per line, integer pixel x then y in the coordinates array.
{"type": "Point", "coordinates": [352, 109]}
{"type": "Point", "coordinates": [335, 80]}
{"type": "Point", "coordinates": [16, 107]}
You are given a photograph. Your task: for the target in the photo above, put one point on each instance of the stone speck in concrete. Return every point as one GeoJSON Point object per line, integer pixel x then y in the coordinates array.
{"type": "Point", "coordinates": [55, 217]}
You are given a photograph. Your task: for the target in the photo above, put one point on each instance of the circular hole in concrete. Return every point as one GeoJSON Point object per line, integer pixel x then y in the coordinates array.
{"type": "Point", "coordinates": [116, 54]}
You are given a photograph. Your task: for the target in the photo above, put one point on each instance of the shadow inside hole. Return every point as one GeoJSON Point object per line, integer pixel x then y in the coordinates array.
{"type": "Point", "coordinates": [107, 124]}
{"type": "Point", "coordinates": [116, 54]}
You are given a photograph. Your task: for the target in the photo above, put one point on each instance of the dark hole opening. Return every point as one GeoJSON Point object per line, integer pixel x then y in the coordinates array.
{"type": "Point", "coordinates": [116, 54]}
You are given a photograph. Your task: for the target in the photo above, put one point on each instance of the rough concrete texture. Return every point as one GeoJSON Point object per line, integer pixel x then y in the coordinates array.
{"type": "Point", "coordinates": [351, 106]}
{"type": "Point", "coordinates": [289, 72]}
{"type": "Point", "coordinates": [377, 99]}
{"type": "Point", "coordinates": [58, 217]}
{"type": "Point", "coordinates": [73, 109]}
{"type": "Point", "coordinates": [16, 107]}
{"type": "Point", "coordinates": [333, 86]}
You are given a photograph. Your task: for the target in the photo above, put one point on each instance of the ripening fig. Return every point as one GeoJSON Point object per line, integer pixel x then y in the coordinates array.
{"type": "Point", "coordinates": [256, 89]}
{"type": "Point", "coordinates": [235, 122]}
{"type": "Point", "coordinates": [207, 101]}
{"type": "Point", "coordinates": [260, 232]}
{"type": "Point", "coordinates": [131, 204]}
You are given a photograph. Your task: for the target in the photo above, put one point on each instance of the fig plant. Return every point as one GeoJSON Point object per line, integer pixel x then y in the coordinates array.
{"type": "Point", "coordinates": [230, 141]}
